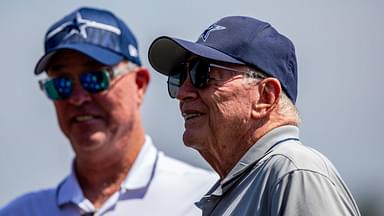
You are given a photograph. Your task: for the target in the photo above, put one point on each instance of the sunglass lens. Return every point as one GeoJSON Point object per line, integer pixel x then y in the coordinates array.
{"type": "Point", "coordinates": [176, 78]}
{"type": "Point", "coordinates": [95, 82]}
{"type": "Point", "coordinates": [58, 88]}
{"type": "Point", "coordinates": [174, 83]}
{"type": "Point", "coordinates": [199, 74]}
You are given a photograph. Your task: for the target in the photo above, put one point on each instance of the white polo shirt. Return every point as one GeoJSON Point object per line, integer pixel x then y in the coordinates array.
{"type": "Point", "coordinates": [155, 185]}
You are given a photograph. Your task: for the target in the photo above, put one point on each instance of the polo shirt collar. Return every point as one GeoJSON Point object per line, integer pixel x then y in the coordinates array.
{"type": "Point", "coordinates": [139, 176]}
{"type": "Point", "coordinates": [69, 191]}
{"type": "Point", "coordinates": [255, 153]}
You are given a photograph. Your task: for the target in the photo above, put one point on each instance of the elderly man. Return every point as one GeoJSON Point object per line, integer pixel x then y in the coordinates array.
{"type": "Point", "coordinates": [237, 86]}
{"type": "Point", "coordinates": [97, 84]}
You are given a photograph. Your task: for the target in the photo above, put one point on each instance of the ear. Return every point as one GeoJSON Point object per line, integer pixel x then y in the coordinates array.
{"type": "Point", "coordinates": [142, 78]}
{"type": "Point", "coordinates": [269, 90]}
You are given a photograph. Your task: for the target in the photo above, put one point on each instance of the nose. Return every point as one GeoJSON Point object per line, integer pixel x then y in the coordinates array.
{"type": "Point", "coordinates": [186, 91]}
{"type": "Point", "coordinates": [79, 96]}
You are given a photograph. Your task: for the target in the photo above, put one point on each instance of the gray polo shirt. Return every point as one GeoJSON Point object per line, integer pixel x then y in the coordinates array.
{"type": "Point", "coordinates": [280, 176]}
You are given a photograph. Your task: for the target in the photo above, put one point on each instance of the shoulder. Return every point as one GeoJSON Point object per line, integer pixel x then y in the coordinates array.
{"type": "Point", "coordinates": [30, 202]}
{"type": "Point", "coordinates": [177, 167]}
{"type": "Point", "coordinates": [181, 173]}
{"type": "Point", "coordinates": [296, 171]}
{"type": "Point", "coordinates": [182, 181]}
{"type": "Point", "coordinates": [293, 156]}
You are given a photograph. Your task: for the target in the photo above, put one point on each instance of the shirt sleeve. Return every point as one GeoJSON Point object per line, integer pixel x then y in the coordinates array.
{"type": "Point", "coordinates": [304, 193]}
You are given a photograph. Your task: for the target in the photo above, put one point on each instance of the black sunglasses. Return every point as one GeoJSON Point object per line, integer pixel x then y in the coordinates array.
{"type": "Point", "coordinates": [198, 72]}
{"type": "Point", "coordinates": [61, 87]}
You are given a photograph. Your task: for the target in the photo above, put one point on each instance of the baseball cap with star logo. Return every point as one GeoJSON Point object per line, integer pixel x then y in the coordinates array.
{"type": "Point", "coordinates": [237, 40]}
{"type": "Point", "coordinates": [96, 33]}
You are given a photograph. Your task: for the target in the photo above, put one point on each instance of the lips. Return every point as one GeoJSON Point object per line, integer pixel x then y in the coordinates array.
{"type": "Point", "coordinates": [191, 110]}
{"type": "Point", "coordinates": [191, 114]}
{"type": "Point", "coordinates": [84, 118]}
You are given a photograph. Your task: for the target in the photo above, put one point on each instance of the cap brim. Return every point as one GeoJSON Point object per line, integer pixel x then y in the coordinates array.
{"type": "Point", "coordinates": [101, 55]}
{"type": "Point", "coordinates": [166, 52]}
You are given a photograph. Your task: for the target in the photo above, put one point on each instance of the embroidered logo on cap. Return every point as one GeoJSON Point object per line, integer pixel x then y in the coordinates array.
{"type": "Point", "coordinates": [204, 36]}
{"type": "Point", "coordinates": [79, 26]}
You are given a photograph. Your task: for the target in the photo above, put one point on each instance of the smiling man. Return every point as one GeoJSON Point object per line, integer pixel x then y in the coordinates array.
{"type": "Point", "coordinates": [97, 85]}
{"type": "Point", "coordinates": [237, 88]}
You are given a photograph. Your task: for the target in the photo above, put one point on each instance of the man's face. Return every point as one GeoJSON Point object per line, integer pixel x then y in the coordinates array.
{"type": "Point", "coordinates": [217, 116]}
{"type": "Point", "coordinates": [97, 123]}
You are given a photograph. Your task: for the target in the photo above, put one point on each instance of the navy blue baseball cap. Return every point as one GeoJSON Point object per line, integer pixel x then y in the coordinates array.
{"type": "Point", "coordinates": [96, 33]}
{"type": "Point", "coordinates": [238, 40]}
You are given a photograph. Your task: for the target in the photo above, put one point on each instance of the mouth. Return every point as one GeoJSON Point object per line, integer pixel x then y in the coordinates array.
{"type": "Point", "coordinates": [84, 118]}
{"type": "Point", "coordinates": [191, 115]}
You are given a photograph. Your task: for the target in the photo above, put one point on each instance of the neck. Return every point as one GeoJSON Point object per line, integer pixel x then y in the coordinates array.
{"type": "Point", "coordinates": [100, 178]}
{"type": "Point", "coordinates": [224, 159]}
{"type": "Point", "coordinates": [223, 154]}
{"type": "Point", "coordinates": [99, 184]}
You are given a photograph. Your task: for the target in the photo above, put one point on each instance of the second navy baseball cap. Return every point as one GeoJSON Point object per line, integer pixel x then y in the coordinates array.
{"type": "Point", "coordinates": [96, 33]}
{"type": "Point", "coordinates": [238, 40]}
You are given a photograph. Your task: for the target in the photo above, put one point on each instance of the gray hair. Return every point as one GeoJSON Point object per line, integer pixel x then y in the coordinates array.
{"type": "Point", "coordinates": [252, 74]}
{"type": "Point", "coordinates": [127, 67]}
{"type": "Point", "coordinates": [287, 108]}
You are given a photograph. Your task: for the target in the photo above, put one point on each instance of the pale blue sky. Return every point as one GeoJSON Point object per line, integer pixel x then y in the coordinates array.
{"type": "Point", "coordinates": [340, 56]}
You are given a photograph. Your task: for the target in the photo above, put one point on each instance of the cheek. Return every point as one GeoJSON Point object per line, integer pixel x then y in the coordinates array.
{"type": "Point", "coordinates": [122, 110]}
{"type": "Point", "coordinates": [231, 105]}
{"type": "Point", "coordinates": [229, 113]}
{"type": "Point", "coordinates": [61, 114]}
{"type": "Point", "coordinates": [120, 104]}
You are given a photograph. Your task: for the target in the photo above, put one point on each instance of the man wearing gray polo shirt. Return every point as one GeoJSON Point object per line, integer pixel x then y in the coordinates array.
{"type": "Point", "coordinates": [237, 88]}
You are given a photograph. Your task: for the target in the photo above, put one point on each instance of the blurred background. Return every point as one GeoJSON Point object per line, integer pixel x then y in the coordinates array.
{"type": "Point", "coordinates": [339, 46]}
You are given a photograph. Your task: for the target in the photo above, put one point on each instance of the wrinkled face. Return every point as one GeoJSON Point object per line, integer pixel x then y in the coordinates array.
{"type": "Point", "coordinates": [94, 122]}
{"type": "Point", "coordinates": [217, 116]}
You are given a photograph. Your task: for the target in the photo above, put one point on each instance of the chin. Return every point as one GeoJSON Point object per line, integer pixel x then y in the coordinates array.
{"type": "Point", "coordinates": [90, 142]}
{"type": "Point", "coordinates": [192, 142]}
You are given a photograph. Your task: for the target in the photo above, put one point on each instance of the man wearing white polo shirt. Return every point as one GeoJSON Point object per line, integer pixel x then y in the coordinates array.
{"type": "Point", "coordinates": [97, 85]}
